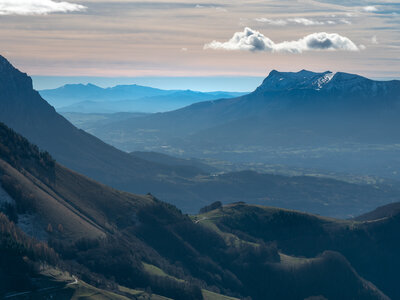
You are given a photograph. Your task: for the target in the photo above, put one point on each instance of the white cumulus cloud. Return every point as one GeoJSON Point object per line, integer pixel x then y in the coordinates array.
{"type": "Point", "coordinates": [37, 7]}
{"type": "Point", "coordinates": [252, 40]}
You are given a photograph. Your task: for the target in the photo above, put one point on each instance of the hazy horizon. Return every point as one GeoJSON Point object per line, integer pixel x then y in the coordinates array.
{"type": "Point", "coordinates": [200, 83]}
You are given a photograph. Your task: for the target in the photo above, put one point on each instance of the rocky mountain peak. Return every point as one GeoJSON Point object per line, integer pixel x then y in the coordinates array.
{"type": "Point", "coordinates": [307, 80]}
{"type": "Point", "coordinates": [278, 81]}
{"type": "Point", "coordinates": [13, 81]}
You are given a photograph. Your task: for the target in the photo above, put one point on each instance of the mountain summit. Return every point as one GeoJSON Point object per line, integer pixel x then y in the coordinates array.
{"type": "Point", "coordinates": [328, 82]}
{"type": "Point", "coordinates": [14, 83]}
{"type": "Point", "coordinates": [278, 81]}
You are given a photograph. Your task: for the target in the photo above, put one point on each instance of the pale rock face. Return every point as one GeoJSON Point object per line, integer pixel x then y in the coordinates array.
{"type": "Point", "coordinates": [32, 226]}
{"type": "Point", "coordinates": [28, 223]}
{"type": "Point", "coordinates": [5, 197]}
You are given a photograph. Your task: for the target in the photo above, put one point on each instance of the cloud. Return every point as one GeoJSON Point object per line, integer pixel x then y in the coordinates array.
{"type": "Point", "coordinates": [344, 21]}
{"type": "Point", "coordinates": [369, 8]}
{"type": "Point", "coordinates": [219, 8]}
{"type": "Point", "coordinates": [306, 22]}
{"type": "Point", "coordinates": [252, 40]}
{"type": "Point", "coordinates": [300, 21]}
{"type": "Point", "coordinates": [36, 7]}
{"type": "Point", "coordinates": [374, 40]}
{"type": "Point", "coordinates": [276, 22]}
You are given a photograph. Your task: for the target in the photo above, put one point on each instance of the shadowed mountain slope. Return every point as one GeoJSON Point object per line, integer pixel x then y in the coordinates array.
{"type": "Point", "coordinates": [112, 239]}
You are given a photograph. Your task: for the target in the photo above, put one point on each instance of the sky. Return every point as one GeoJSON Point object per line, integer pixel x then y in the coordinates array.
{"type": "Point", "coordinates": [198, 41]}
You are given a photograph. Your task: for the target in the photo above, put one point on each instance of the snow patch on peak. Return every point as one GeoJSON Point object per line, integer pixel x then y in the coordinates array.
{"type": "Point", "coordinates": [321, 81]}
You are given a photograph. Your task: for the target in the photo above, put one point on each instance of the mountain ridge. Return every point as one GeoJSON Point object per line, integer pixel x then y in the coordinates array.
{"type": "Point", "coordinates": [124, 98]}
{"type": "Point", "coordinates": [323, 81]}
{"type": "Point", "coordinates": [346, 111]}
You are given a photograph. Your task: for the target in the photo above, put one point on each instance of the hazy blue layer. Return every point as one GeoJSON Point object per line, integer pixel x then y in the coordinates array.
{"type": "Point", "coordinates": [204, 84]}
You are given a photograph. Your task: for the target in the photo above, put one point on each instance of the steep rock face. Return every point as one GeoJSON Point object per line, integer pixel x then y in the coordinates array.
{"type": "Point", "coordinates": [13, 83]}
{"type": "Point", "coordinates": [22, 108]}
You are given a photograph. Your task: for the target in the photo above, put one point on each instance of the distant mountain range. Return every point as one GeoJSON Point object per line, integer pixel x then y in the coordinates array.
{"type": "Point", "coordinates": [329, 121]}
{"type": "Point", "coordinates": [65, 236]}
{"type": "Point", "coordinates": [90, 98]}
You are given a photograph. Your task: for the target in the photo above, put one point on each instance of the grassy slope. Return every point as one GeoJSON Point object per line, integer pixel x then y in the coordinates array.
{"type": "Point", "coordinates": [88, 292]}
{"type": "Point", "coordinates": [83, 199]}
{"type": "Point", "coordinates": [381, 212]}
{"type": "Point", "coordinates": [141, 228]}
{"type": "Point", "coordinates": [370, 246]}
{"type": "Point", "coordinates": [67, 289]}
{"type": "Point", "coordinates": [208, 295]}
{"type": "Point", "coordinates": [51, 208]}
{"type": "Point", "coordinates": [82, 206]}
{"type": "Point", "coordinates": [79, 291]}
{"type": "Point", "coordinates": [214, 296]}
